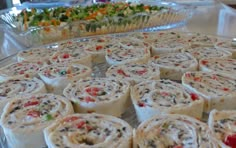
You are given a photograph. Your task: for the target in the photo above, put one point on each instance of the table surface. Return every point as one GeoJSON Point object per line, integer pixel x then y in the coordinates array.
{"type": "Point", "coordinates": [212, 17]}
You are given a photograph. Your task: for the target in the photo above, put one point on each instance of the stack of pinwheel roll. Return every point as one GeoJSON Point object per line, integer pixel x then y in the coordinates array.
{"type": "Point", "coordinates": [54, 96]}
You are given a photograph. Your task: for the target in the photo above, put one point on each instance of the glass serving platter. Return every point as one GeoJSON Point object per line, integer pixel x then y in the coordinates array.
{"type": "Point", "coordinates": [173, 15]}
{"type": "Point", "coordinates": [98, 71]}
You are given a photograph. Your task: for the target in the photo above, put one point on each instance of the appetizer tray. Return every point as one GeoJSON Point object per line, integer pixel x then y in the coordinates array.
{"type": "Point", "coordinates": [188, 52]}
{"type": "Point", "coordinates": [34, 27]}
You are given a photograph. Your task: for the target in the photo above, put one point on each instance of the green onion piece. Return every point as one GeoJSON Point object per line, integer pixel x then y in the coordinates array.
{"type": "Point", "coordinates": [48, 117]}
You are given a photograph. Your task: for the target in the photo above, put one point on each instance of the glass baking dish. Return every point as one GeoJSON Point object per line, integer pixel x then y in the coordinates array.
{"type": "Point", "coordinates": [171, 16]}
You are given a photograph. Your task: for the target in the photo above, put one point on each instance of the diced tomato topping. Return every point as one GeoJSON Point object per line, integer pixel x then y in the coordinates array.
{"type": "Point", "coordinates": [33, 113]}
{"type": "Point", "coordinates": [204, 62]}
{"type": "Point", "coordinates": [88, 99]}
{"type": "Point", "coordinates": [66, 55]}
{"type": "Point", "coordinates": [120, 71]}
{"type": "Point", "coordinates": [141, 104]}
{"type": "Point", "coordinates": [194, 96]}
{"type": "Point", "coordinates": [98, 47]}
{"type": "Point", "coordinates": [80, 124]}
{"type": "Point", "coordinates": [31, 103]}
{"type": "Point", "coordinates": [71, 119]}
{"type": "Point", "coordinates": [230, 140]}
{"type": "Point", "coordinates": [141, 72]}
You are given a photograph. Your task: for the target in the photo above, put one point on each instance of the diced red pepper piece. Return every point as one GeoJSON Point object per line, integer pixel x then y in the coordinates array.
{"type": "Point", "coordinates": [39, 62]}
{"type": "Point", "coordinates": [31, 103]}
{"type": "Point", "coordinates": [194, 96]}
{"type": "Point", "coordinates": [156, 57]}
{"type": "Point", "coordinates": [27, 76]}
{"type": "Point", "coordinates": [71, 119]}
{"type": "Point", "coordinates": [204, 62]}
{"type": "Point", "coordinates": [141, 104]}
{"type": "Point", "coordinates": [89, 128]}
{"type": "Point", "coordinates": [93, 91]}
{"type": "Point", "coordinates": [98, 47]}
{"type": "Point", "coordinates": [198, 79]}
{"type": "Point", "coordinates": [66, 55]}
{"type": "Point", "coordinates": [187, 75]}
{"type": "Point", "coordinates": [80, 124]}
{"type": "Point", "coordinates": [22, 72]}
{"type": "Point", "coordinates": [120, 71]}
{"type": "Point", "coordinates": [164, 93]}
{"type": "Point", "coordinates": [88, 99]}
{"type": "Point", "coordinates": [33, 113]}
{"type": "Point", "coordinates": [101, 40]}
{"type": "Point", "coordinates": [230, 140]}
{"type": "Point", "coordinates": [90, 111]}
{"type": "Point", "coordinates": [54, 58]}
{"type": "Point", "coordinates": [226, 89]}
{"type": "Point", "coordinates": [141, 72]}
{"type": "Point", "coordinates": [214, 77]}
{"type": "Point", "coordinates": [178, 146]}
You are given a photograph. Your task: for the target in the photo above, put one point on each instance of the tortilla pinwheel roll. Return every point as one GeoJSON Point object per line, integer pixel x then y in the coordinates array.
{"type": "Point", "coordinates": [169, 35]}
{"type": "Point", "coordinates": [58, 76]}
{"type": "Point", "coordinates": [19, 70]}
{"type": "Point", "coordinates": [174, 65]}
{"type": "Point", "coordinates": [122, 55]}
{"type": "Point", "coordinates": [25, 117]}
{"type": "Point", "coordinates": [131, 43]}
{"type": "Point", "coordinates": [97, 48]}
{"type": "Point", "coordinates": [164, 96]}
{"type": "Point", "coordinates": [89, 130]}
{"type": "Point", "coordinates": [172, 45]}
{"type": "Point", "coordinates": [134, 73]}
{"type": "Point", "coordinates": [224, 66]}
{"type": "Point", "coordinates": [14, 87]}
{"type": "Point", "coordinates": [218, 90]}
{"type": "Point", "coordinates": [222, 123]}
{"type": "Point", "coordinates": [100, 95]}
{"type": "Point", "coordinates": [147, 37]}
{"type": "Point", "coordinates": [200, 52]}
{"type": "Point", "coordinates": [201, 39]}
{"type": "Point", "coordinates": [42, 54]}
{"type": "Point", "coordinates": [72, 52]}
{"type": "Point", "coordinates": [174, 131]}
{"type": "Point", "coordinates": [227, 45]}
